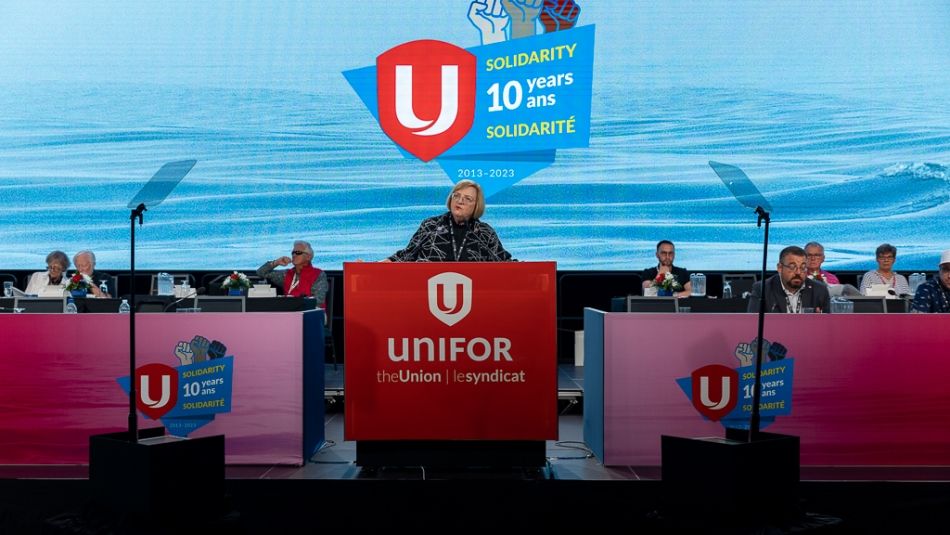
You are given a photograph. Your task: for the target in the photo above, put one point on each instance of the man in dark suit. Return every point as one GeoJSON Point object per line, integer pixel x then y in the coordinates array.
{"type": "Point", "coordinates": [789, 291]}
{"type": "Point", "coordinates": [85, 262]}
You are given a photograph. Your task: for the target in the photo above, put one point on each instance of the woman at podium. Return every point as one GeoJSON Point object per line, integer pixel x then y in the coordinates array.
{"type": "Point", "coordinates": [458, 235]}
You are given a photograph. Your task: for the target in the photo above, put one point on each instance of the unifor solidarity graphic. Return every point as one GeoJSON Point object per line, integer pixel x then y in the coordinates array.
{"type": "Point", "coordinates": [495, 113]}
{"type": "Point", "coordinates": [724, 394]}
{"type": "Point", "coordinates": [186, 397]}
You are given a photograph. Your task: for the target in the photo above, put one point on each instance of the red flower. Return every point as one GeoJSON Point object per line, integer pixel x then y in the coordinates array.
{"type": "Point", "coordinates": [76, 278]}
{"type": "Point", "coordinates": [659, 277]}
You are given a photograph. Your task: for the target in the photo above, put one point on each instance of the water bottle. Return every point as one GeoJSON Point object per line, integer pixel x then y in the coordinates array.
{"type": "Point", "coordinates": [103, 287]}
{"type": "Point", "coordinates": [726, 290]}
{"type": "Point", "coordinates": [124, 307]}
{"type": "Point", "coordinates": [70, 306]}
{"type": "Point", "coordinates": [697, 284]}
{"type": "Point", "coordinates": [165, 284]}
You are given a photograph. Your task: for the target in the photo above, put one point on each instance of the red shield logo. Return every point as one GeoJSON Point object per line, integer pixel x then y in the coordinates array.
{"type": "Point", "coordinates": [426, 96]}
{"type": "Point", "coordinates": [715, 390]}
{"type": "Point", "coordinates": [157, 389]}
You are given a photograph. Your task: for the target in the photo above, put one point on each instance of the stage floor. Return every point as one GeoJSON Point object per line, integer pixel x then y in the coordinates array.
{"type": "Point", "coordinates": [574, 491]}
{"type": "Point", "coordinates": [568, 459]}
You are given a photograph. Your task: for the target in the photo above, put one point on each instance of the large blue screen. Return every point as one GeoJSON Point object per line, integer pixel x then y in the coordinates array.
{"type": "Point", "coordinates": [839, 111]}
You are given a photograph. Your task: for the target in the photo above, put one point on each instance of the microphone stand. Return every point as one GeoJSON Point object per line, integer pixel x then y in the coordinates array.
{"type": "Point", "coordinates": [137, 213]}
{"type": "Point", "coordinates": [755, 419]}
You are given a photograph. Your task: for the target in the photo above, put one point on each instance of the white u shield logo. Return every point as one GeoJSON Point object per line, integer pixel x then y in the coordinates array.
{"type": "Point", "coordinates": [450, 297]}
{"type": "Point", "coordinates": [147, 398]}
{"type": "Point", "coordinates": [704, 394]}
{"type": "Point", "coordinates": [406, 115]}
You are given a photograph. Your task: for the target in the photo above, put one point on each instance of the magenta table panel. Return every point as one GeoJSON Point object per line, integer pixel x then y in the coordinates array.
{"type": "Point", "coordinates": [868, 389]}
{"type": "Point", "coordinates": [58, 381]}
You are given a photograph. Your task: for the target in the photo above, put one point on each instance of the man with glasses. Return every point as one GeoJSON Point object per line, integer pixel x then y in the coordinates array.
{"type": "Point", "coordinates": [45, 283]}
{"type": "Point", "coordinates": [303, 280]}
{"type": "Point", "coordinates": [790, 291]}
{"type": "Point", "coordinates": [458, 235]}
{"type": "Point", "coordinates": [814, 256]}
{"type": "Point", "coordinates": [934, 295]}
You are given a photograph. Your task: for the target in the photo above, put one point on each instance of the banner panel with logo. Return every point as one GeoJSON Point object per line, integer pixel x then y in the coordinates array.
{"type": "Point", "coordinates": [451, 351]}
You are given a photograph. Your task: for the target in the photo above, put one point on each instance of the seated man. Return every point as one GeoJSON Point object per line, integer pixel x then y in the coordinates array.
{"type": "Point", "coordinates": [665, 253]}
{"type": "Point", "coordinates": [934, 295]}
{"type": "Point", "coordinates": [814, 256]}
{"type": "Point", "coordinates": [303, 280]}
{"type": "Point", "coordinates": [85, 262]}
{"type": "Point", "coordinates": [789, 291]}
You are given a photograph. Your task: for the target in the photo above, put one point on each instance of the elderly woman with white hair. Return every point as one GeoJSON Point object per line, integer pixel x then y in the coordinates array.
{"type": "Point", "coordinates": [303, 280]}
{"type": "Point", "coordinates": [54, 277]}
{"type": "Point", "coordinates": [457, 235]}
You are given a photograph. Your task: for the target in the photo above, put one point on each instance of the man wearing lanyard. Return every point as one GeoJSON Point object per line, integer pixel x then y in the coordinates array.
{"type": "Point", "coordinates": [934, 295]}
{"type": "Point", "coordinates": [790, 291]}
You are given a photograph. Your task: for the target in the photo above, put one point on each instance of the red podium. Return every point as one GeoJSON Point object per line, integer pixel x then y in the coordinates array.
{"type": "Point", "coordinates": [450, 363]}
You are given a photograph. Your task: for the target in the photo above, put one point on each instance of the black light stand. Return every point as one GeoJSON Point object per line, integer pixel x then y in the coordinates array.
{"type": "Point", "coordinates": [142, 472]}
{"type": "Point", "coordinates": [747, 478]}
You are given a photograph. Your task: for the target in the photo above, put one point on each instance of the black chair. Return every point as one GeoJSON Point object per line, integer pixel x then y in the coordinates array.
{"type": "Point", "coordinates": [151, 305]}
{"type": "Point", "coordinates": [868, 305]}
{"type": "Point", "coordinates": [7, 304]}
{"type": "Point", "coordinates": [280, 304]}
{"type": "Point", "coordinates": [40, 305]}
{"type": "Point", "coordinates": [90, 305]}
{"type": "Point", "coordinates": [704, 304]}
{"type": "Point", "coordinates": [897, 306]}
{"type": "Point", "coordinates": [221, 303]}
{"type": "Point", "coordinates": [741, 283]}
{"type": "Point", "coordinates": [636, 303]}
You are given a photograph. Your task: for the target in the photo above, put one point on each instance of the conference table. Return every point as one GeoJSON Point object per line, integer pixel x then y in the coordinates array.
{"type": "Point", "coordinates": [59, 372]}
{"type": "Point", "coordinates": [868, 389]}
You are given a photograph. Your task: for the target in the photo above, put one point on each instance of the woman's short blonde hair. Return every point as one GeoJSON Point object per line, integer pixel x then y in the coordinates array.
{"type": "Point", "coordinates": [479, 197]}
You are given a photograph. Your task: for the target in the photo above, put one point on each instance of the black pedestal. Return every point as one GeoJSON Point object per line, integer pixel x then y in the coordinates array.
{"type": "Point", "coordinates": [716, 480]}
{"type": "Point", "coordinates": [160, 474]}
{"type": "Point", "coordinates": [451, 453]}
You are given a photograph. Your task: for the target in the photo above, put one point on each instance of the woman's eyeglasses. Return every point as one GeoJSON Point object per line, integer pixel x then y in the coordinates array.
{"type": "Point", "coordinates": [463, 199]}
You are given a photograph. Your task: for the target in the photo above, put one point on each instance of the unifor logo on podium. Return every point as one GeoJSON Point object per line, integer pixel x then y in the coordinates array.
{"type": "Point", "coordinates": [459, 351]}
{"type": "Point", "coordinates": [450, 297]}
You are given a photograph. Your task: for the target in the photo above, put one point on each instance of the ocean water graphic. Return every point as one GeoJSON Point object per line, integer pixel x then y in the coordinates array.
{"type": "Point", "coordinates": [276, 165]}
{"type": "Point", "coordinates": [838, 111]}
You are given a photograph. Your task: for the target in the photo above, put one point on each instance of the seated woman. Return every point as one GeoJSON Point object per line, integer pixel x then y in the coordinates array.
{"type": "Point", "coordinates": [303, 280]}
{"type": "Point", "coordinates": [457, 235]}
{"type": "Point", "coordinates": [886, 254]}
{"type": "Point", "coordinates": [56, 265]}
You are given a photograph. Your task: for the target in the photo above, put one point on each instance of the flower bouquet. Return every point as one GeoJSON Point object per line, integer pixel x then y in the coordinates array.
{"type": "Point", "coordinates": [817, 275]}
{"type": "Point", "coordinates": [79, 284]}
{"type": "Point", "coordinates": [236, 283]}
{"type": "Point", "coordinates": [666, 283]}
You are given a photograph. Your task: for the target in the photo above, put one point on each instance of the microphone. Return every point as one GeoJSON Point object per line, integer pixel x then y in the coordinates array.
{"type": "Point", "coordinates": [194, 295]}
